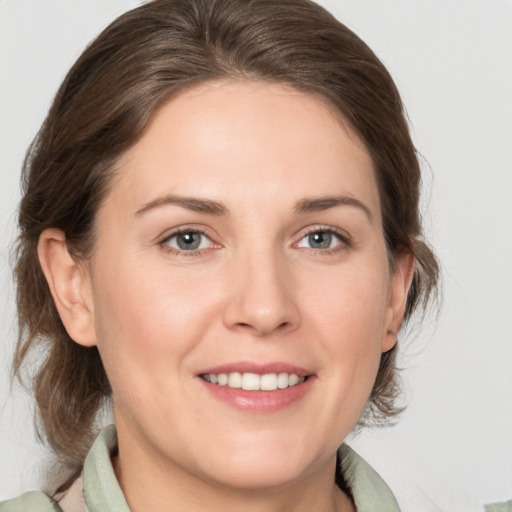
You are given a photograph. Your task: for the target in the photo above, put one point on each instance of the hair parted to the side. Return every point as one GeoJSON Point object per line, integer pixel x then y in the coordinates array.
{"type": "Point", "coordinates": [104, 105]}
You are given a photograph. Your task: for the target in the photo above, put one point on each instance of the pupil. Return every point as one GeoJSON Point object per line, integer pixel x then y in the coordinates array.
{"type": "Point", "coordinates": [189, 241]}
{"type": "Point", "coordinates": [320, 240]}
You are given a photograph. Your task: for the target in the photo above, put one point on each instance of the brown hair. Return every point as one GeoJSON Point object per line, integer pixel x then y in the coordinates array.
{"type": "Point", "coordinates": [102, 108]}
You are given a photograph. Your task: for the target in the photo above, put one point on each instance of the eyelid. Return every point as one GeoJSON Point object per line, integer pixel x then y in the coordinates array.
{"type": "Point", "coordinates": [342, 235]}
{"type": "Point", "coordinates": [344, 238]}
{"type": "Point", "coordinates": [163, 240]}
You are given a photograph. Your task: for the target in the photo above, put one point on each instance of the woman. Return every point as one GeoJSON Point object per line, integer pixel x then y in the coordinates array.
{"type": "Point", "coordinates": [220, 234]}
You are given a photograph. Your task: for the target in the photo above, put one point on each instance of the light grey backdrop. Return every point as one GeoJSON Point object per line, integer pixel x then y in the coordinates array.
{"type": "Point", "coordinates": [452, 60]}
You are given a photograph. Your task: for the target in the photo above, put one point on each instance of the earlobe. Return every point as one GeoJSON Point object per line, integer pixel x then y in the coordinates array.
{"type": "Point", "coordinates": [401, 280]}
{"type": "Point", "coordinates": [70, 286]}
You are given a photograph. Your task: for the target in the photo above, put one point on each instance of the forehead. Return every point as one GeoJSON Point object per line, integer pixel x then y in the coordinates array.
{"type": "Point", "coordinates": [260, 140]}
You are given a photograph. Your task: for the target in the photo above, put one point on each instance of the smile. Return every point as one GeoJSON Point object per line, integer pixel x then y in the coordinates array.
{"type": "Point", "coordinates": [254, 382]}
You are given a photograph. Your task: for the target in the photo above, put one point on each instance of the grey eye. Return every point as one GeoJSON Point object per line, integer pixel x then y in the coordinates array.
{"type": "Point", "coordinates": [320, 240]}
{"type": "Point", "coordinates": [189, 241]}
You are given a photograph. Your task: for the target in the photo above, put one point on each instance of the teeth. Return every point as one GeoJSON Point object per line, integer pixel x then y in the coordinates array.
{"type": "Point", "coordinates": [255, 382]}
{"type": "Point", "coordinates": [294, 380]}
{"type": "Point", "coordinates": [251, 382]}
{"type": "Point", "coordinates": [235, 380]}
{"type": "Point", "coordinates": [268, 382]}
{"type": "Point", "coordinates": [282, 380]}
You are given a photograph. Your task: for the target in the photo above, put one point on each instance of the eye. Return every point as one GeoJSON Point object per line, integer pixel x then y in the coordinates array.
{"type": "Point", "coordinates": [322, 239]}
{"type": "Point", "coordinates": [188, 241]}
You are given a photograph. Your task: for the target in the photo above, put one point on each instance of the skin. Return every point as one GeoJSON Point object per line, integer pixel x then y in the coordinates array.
{"type": "Point", "coordinates": [256, 290]}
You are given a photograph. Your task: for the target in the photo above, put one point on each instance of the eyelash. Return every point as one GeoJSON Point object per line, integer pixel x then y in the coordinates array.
{"type": "Point", "coordinates": [345, 241]}
{"type": "Point", "coordinates": [164, 243]}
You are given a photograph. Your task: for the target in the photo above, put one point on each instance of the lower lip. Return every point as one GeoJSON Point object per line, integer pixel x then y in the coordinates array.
{"type": "Point", "coordinates": [259, 401]}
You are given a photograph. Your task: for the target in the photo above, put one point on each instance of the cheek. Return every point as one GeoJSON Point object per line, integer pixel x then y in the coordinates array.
{"type": "Point", "coordinates": [351, 305]}
{"type": "Point", "coordinates": [146, 323]}
{"type": "Point", "coordinates": [349, 317]}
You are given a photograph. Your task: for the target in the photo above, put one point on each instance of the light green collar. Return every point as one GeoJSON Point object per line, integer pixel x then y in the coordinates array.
{"type": "Point", "coordinates": [101, 489]}
{"type": "Point", "coordinates": [370, 492]}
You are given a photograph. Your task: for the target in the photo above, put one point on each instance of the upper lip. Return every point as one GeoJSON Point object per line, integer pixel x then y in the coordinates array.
{"type": "Point", "coordinates": [257, 368]}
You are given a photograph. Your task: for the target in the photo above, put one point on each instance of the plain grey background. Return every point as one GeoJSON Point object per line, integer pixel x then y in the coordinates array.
{"type": "Point", "coordinates": [452, 61]}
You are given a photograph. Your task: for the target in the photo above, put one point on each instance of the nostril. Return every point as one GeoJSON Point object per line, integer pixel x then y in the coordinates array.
{"type": "Point", "coordinates": [260, 309]}
{"type": "Point", "coordinates": [261, 329]}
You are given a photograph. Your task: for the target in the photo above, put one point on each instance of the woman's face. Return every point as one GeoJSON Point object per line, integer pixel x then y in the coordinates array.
{"type": "Point", "coordinates": [242, 241]}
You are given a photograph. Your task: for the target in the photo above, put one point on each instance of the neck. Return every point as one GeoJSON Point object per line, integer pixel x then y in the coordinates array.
{"type": "Point", "coordinates": [161, 485]}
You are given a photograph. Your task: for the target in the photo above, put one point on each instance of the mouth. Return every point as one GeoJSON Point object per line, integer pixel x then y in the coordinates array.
{"type": "Point", "coordinates": [256, 387]}
{"type": "Point", "coordinates": [254, 382]}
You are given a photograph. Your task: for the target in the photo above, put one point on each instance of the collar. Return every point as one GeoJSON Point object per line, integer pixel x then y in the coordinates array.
{"type": "Point", "coordinates": [369, 491]}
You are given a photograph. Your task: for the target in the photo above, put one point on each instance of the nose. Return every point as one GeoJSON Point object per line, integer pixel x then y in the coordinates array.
{"type": "Point", "coordinates": [262, 297]}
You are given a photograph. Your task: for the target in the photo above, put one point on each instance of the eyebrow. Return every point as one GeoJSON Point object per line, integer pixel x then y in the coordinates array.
{"type": "Point", "coordinates": [325, 203]}
{"type": "Point", "coordinates": [216, 208]}
{"type": "Point", "coordinates": [190, 203]}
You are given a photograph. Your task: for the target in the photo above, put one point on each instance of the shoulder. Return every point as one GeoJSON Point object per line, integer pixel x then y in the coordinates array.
{"type": "Point", "coordinates": [30, 502]}
{"type": "Point", "coordinates": [499, 507]}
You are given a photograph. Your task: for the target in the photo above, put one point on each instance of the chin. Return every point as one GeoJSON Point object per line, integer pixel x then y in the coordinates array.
{"type": "Point", "coordinates": [249, 476]}
{"type": "Point", "coordinates": [262, 465]}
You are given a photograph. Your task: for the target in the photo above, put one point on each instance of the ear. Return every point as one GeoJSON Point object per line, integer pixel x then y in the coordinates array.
{"type": "Point", "coordinates": [70, 286]}
{"type": "Point", "coordinates": [401, 280]}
